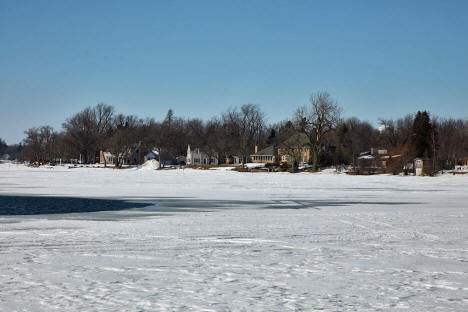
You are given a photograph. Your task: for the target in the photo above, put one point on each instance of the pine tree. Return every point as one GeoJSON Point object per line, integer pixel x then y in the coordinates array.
{"type": "Point", "coordinates": [421, 136]}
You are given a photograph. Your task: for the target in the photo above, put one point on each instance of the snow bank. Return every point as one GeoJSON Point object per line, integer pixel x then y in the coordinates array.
{"type": "Point", "coordinates": [151, 164]}
{"type": "Point", "coordinates": [254, 165]}
{"type": "Point", "coordinates": [222, 168]}
{"type": "Point", "coordinates": [330, 171]}
{"type": "Point", "coordinates": [459, 169]}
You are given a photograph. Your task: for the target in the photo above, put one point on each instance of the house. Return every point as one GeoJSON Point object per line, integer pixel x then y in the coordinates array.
{"type": "Point", "coordinates": [197, 156]}
{"type": "Point", "coordinates": [132, 156]}
{"type": "Point", "coordinates": [295, 149]}
{"type": "Point", "coordinates": [268, 155]}
{"type": "Point", "coordinates": [373, 161]}
{"type": "Point", "coordinates": [106, 158]}
{"type": "Point", "coordinates": [233, 160]}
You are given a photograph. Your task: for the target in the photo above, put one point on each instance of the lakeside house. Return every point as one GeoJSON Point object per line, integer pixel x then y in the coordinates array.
{"type": "Point", "coordinates": [106, 158]}
{"type": "Point", "coordinates": [132, 156]}
{"type": "Point", "coordinates": [296, 149]}
{"type": "Point", "coordinates": [373, 161]}
{"type": "Point", "coordinates": [197, 156]}
{"type": "Point", "coordinates": [268, 155]}
{"type": "Point", "coordinates": [233, 160]}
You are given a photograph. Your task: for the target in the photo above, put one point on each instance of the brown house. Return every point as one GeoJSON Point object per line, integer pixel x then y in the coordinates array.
{"type": "Point", "coordinates": [295, 149]}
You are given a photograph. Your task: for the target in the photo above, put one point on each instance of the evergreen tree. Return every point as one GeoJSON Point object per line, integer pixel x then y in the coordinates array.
{"type": "Point", "coordinates": [421, 136]}
{"type": "Point", "coordinates": [271, 137]}
{"type": "Point", "coordinates": [3, 146]}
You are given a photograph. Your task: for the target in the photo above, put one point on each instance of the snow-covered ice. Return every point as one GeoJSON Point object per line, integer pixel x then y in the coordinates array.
{"type": "Point", "coordinates": [215, 240]}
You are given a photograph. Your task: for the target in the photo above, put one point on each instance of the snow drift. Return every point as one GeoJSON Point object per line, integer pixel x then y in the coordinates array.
{"type": "Point", "coordinates": [151, 164]}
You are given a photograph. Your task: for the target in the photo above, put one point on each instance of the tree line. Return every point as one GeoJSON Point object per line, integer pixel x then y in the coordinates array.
{"type": "Point", "coordinates": [333, 140]}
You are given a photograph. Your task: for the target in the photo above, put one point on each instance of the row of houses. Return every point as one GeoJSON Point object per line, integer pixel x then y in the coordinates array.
{"type": "Point", "coordinates": [378, 160]}
{"type": "Point", "coordinates": [293, 151]}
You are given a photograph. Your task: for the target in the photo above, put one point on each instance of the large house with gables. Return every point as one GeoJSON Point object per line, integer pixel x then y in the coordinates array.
{"type": "Point", "coordinates": [295, 149]}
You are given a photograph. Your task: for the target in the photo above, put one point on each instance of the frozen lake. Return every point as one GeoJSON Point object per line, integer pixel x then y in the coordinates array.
{"type": "Point", "coordinates": [136, 240]}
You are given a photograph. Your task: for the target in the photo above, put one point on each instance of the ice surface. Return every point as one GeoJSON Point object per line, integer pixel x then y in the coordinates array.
{"type": "Point", "coordinates": [229, 241]}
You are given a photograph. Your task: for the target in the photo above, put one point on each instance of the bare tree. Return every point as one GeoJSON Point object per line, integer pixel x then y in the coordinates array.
{"type": "Point", "coordinates": [81, 130]}
{"type": "Point", "coordinates": [352, 137]}
{"type": "Point", "coordinates": [317, 120]}
{"type": "Point", "coordinates": [396, 133]}
{"type": "Point", "coordinates": [89, 129]}
{"type": "Point", "coordinates": [124, 138]}
{"type": "Point", "coordinates": [452, 141]}
{"type": "Point", "coordinates": [103, 118]}
{"type": "Point", "coordinates": [40, 145]}
{"type": "Point", "coordinates": [215, 144]}
{"type": "Point", "coordinates": [245, 127]}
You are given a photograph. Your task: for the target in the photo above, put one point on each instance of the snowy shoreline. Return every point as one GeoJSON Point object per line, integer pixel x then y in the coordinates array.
{"type": "Point", "coordinates": [18, 179]}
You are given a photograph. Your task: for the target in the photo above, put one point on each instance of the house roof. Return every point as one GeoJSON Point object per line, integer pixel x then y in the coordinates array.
{"type": "Point", "coordinates": [268, 151]}
{"type": "Point", "coordinates": [296, 140]}
{"type": "Point", "coordinates": [196, 149]}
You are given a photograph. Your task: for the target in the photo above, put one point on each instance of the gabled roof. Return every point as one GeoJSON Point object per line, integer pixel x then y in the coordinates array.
{"type": "Point", "coordinates": [268, 151]}
{"type": "Point", "coordinates": [196, 149]}
{"type": "Point", "coordinates": [296, 140]}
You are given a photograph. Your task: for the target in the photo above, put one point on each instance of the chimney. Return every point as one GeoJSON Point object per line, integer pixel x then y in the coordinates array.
{"type": "Point", "coordinates": [256, 148]}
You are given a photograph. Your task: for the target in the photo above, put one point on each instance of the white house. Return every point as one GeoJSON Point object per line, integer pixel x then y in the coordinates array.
{"type": "Point", "coordinates": [198, 157]}
{"type": "Point", "coordinates": [106, 158]}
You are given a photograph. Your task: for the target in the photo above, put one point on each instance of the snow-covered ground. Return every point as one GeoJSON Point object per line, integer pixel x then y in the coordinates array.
{"type": "Point", "coordinates": [216, 240]}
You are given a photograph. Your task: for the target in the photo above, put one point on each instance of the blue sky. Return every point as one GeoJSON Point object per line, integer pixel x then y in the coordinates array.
{"type": "Point", "coordinates": [377, 58]}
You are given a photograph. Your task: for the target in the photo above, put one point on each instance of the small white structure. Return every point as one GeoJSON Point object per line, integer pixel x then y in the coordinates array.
{"type": "Point", "coordinates": [198, 157]}
{"type": "Point", "coordinates": [418, 167]}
